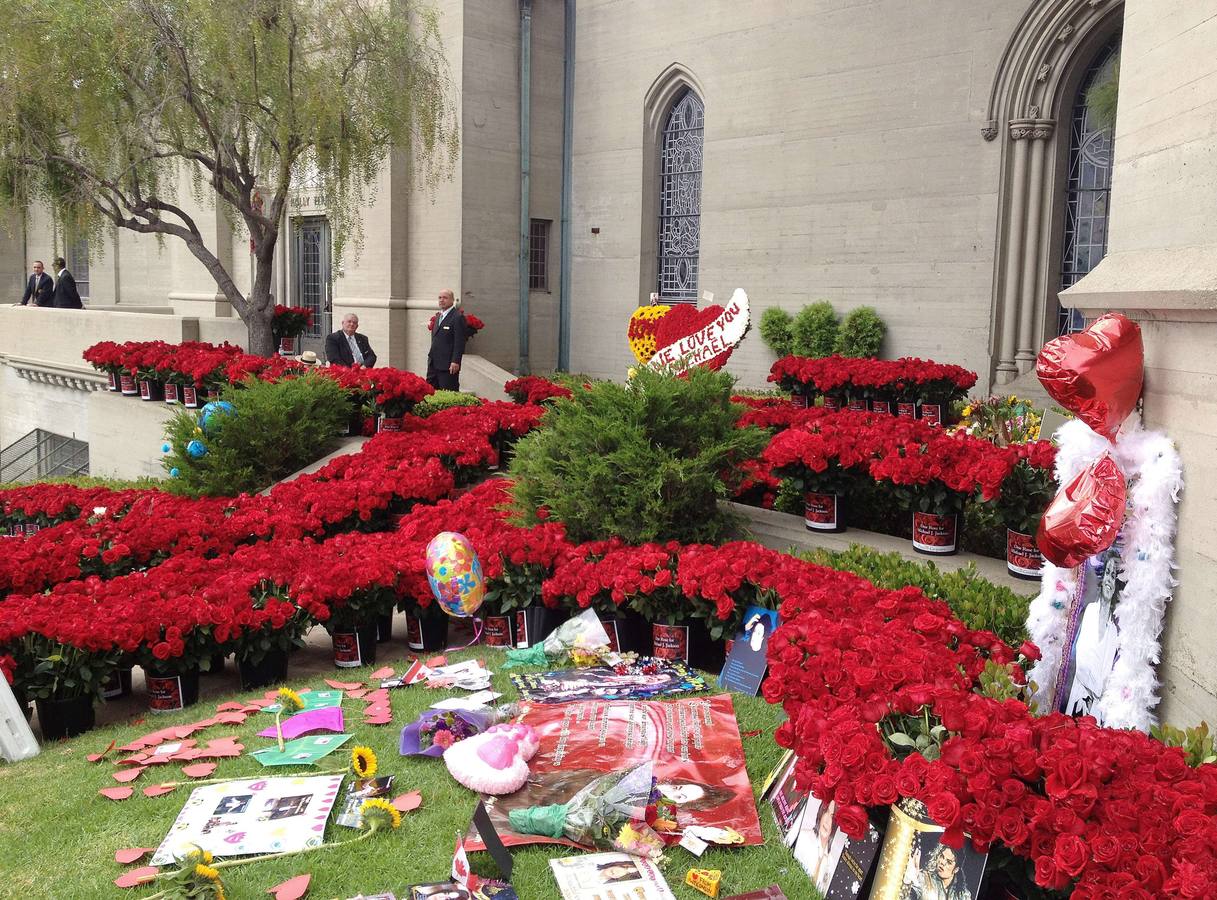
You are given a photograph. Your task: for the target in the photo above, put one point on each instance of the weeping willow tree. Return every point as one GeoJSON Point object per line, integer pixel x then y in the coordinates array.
{"type": "Point", "coordinates": [111, 109]}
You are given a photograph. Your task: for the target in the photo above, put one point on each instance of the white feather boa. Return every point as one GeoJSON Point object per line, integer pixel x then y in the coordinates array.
{"type": "Point", "coordinates": [1151, 465]}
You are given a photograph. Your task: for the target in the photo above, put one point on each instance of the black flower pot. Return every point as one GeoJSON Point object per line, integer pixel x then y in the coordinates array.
{"type": "Point", "coordinates": [169, 691]}
{"type": "Point", "coordinates": [689, 641]}
{"type": "Point", "coordinates": [628, 631]}
{"type": "Point", "coordinates": [65, 718]}
{"type": "Point", "coordinates": [117, 685]}
{"type": "Point", "coordinates": [355, 647]}
{"type": "Point", "coordinates": [534, 623]}
{"type": "Point", "coordinates": [384, 627]}
{"type": "Point", "coordinates": [217, 664]}
{"type": "Point", "coordinates": [426, 632]}
{"type": "Point", "coordinates": [271, 669]}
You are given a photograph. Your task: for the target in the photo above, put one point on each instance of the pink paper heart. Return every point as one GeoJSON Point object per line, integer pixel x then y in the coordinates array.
{"type": "Point", "coordinates": [128, 855]}
{"type": "Point", "coordinates": [235, 838]}
{"type": "Point", "coordinates": [138, 759]}
{"type": "Point", "coordinates": [498, 753]}
{"type": "Point", "coordinates": [436, 661]}
{"type": "Point", "coordinates": [320, 827]}
{"type": "Point", "coordinates": [198, 770]}
{"type": "Point", "coordinates": [127, 775]}
{"type": "Point", "coordinates": [230, 705]}
{"type": "Point", "coordinates": [384, 672]}
{"type": "Point", "coordinates": [136, 877]}
{"type": "Point", "coordinates": [158, 790]}
{"type": "Point", "coordinates": [407, 802]}
{"type": "Point", "coordinates": [344, 685]}
{"type": "Point", "coordinates": [357, 693]}
{"type": "Point", "coordinates": [383, 720]}
{"type": "Point", "coordinates": [117, 793]}
{"type": "Point", "coordinates": [94, 757]}
{"type": "Point", "coordinates": [292, 889]}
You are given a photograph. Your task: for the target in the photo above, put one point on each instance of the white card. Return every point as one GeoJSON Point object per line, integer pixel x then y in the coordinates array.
{"type": "Point", "coordinates": [473, 701]}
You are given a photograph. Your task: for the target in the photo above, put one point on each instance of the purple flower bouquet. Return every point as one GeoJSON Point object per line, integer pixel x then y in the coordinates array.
{"type": "Point", "coordinates": [436, 730]}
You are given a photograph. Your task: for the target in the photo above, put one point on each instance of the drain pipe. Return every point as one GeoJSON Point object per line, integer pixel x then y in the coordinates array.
{"type": "Point", "coordinates": [568, 117]}
{"type": "Point", "coordinates": [525, 173]}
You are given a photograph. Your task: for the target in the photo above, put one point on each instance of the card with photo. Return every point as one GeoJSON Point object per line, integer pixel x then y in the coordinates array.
{"type": "Point", "coordinates": [836, 864]}
{"type": "Point", "coordinates": [916, 865]}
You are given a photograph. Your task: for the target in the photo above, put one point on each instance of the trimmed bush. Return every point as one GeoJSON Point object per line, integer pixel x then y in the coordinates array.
{"type": "Point", "coordinates": [441, 400]}
{"type": "Point", "coordinates": [978, 603]}
{"type": "Point", "coordinates": [641, 461]}
{"type": "Point", "coordinates": [279, 427]}
{"type": "Point", "coordinates": [776, 325]}
{"type": "Point", "coordinates": [861, 334]}
{"type": "Point", "coordinates": [814, 330]}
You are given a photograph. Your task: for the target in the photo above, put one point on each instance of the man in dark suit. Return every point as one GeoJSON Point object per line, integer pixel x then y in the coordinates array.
{"type": "Point", "coordinates": [39, 287]}
{"type": "Point", "coordinates": [66, 296]}
{"type": "Point", "coordinates": [348, 347]}
{"type": "Point", "coordinates": [447, 345]}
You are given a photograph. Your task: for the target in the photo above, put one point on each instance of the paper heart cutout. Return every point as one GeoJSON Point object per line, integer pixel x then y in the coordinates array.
{"type": "Point", "coordinates": [383, 672]}
{"type": "Point", "coordinates": [117, 793]}
{"type": "Point", "coordinates": [292, 889]}
{"type": "Point", "coordinates": [128, 855]}
{"type": "Point", "coordinates": [94, 757]}
{"type": "Point", "coordinates": [1085, 517]}
{"type": "Point", "coordinates": [230, 705]}
{"type": "Point", "coordinates": [136, 877]}
{"type": "Point", "coordinates": [343, 685]}
{"type": "Point", "coordinates": [357, 693]}
{"type": "Point", "coordinates": [159, 790]}
{"type": "Point", "coordinates": [641, 333]}
{"type": "Point", "coordinates": [198, 770]}
{"type": "Point", "coordinates": [127, 775]}
{"type": "Point", "coordinates": [436, 661]}
{"type": "Point", "coordinates": [1097, 373]}
{"type": "Point", "coordinates": [408, 802]}
{"type": "Point", "coordinates": [685, 320]}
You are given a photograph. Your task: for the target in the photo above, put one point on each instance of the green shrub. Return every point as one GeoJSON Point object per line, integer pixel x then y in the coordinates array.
{"type": "Point", "coordinates": [978, 603]}
{"type": "Point", "coordinates": [814, 330]}
{"type": "Point", "coordinates": [91, 481]}
{"type": "Point", "coordinates": [776, 332]}
{"type": "Point", "coordinates": [279, 427]}
{"type": "Point", "coordinates": [642, 461]}
{"type": "Point", "coordinates": [861, 333]}
{"type": "Point", "coordinates": [443, 400]}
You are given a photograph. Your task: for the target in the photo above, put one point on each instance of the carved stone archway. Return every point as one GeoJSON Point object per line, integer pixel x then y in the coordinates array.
{"type": "Point", "coordinates": [1029, 106]}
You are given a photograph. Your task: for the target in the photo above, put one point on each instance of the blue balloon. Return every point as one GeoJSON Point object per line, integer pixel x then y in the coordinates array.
{"type": "Point", "coordinates": [213, 414]}
{"type": "Point", "coordinates": [165, 448]}
{"type": "Point", "coordinates": [175, 472]}
{"type": "Point", "coordinates": [196, 449]}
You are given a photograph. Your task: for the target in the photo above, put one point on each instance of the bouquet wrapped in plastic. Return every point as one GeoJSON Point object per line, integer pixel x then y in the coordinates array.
{"type": "Point", "coordinates": [608, 813]}
{"type": "Point", "coordinates": [582, 634]}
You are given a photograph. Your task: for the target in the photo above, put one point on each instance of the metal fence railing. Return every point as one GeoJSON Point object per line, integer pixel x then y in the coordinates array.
{"type": "Point", "coordinates": [42, 454]}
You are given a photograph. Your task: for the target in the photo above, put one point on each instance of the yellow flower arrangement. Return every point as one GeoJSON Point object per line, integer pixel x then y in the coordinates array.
{"type": "Point", "coordinates": [377, 813]}
{"type": "Point", "coordinates": [363, 762]}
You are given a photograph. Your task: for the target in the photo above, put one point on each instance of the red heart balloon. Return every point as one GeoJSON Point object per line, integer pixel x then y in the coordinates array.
{"type": "Point", "coordinates": [1097, 373]}
{"type": "Point", "coordinates": [683, 320]}
{"type": "Point", "coordinates": [1085, 517]}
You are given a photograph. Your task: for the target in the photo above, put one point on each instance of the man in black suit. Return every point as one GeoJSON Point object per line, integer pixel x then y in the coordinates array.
{"type": "Point", "coordinates": [447, 345]}
{"type": "Point", "coordinates": [66, 296]}
{"type": "Point", "coordinates": [39, 287]}
{"type": "Point", "coordinates": [348, 347]}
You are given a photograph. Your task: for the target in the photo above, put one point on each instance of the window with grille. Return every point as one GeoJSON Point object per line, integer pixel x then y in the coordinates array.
{"type": "Point", "coordinates": [78, 263]}
{"type": "Point", "coordinates": [538, 255]}
{"type": "Point", "coordinates": [1087, 188]}
{"type": "Point", "coordinates": [680, 163]}
{"type": "Point", "coordinates": [311, 281]}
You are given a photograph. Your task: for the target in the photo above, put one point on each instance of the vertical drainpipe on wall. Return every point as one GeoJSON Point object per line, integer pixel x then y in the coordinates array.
{"type": "Point", "coordinates": [525, 172]}
{"type": "Point", "coordinates": [568, 106]}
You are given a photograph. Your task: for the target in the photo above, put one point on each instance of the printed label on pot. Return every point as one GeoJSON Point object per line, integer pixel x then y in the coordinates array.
{"type": "Point", "coordinates": [164, 693]}
{"type": "Point", "coordinates": [497, 631]}
{"type": "Point", "coordinates": [831, 403]}
{"type": "Point", "coordinates": [798, 401]}
{"type": "Point", "coordinates": [610, 628]}
{"type": "Point", "coordinates": [728, 644]}
{"type": "Point", "coordinates": [111, 381]}
{"type": "Point", "coordinates": [213, 394]}
{"type": "Point", "coordinates": [145, 390]}
{"type": "Point", "coordinates": [521, 630]}
{"type": "Point", "coordinates": [820, 511]}
{"type": "Point", "coordinates": [881, 406]}
{"type": "Point", "coordinates": [171, 393]}
{"type": "Point", "coordinates": [414, 632]}
{"type": "Point", "coordinates": [346, 651]}
{"type": "Point", "coordinates": [1023, 556]}
{"type": "Point", "coordinates": [32, 528]}
{"type": "Point", "coordinates": [931, 413]}
{"type": "Point", "coordinates": [933, 533]}
{"type": "Point", "coordinates": [126, 384]}
{"type": "Point", "coordinates": [670, 641]}
{"type": "Point", "coordinates": [190, 397]}
{"type": "Point", "coordinates": [906, 410]}
{"type": "Point", "coordinates": [387, 424]}
{"type": "Point", "coordinates": [857, 405]}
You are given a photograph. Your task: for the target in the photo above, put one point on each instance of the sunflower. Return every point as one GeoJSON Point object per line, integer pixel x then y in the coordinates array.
{"type": "Point", "coordinates": [200, 855]}
{"type": "Point", "coordinates": [288, 697]}
{"type": "Point", "coordinates": [377, 813]}
{"type": "Point", "coordinates": [211, 874]}
{"type": "Point", "coordinates": [363, 762]}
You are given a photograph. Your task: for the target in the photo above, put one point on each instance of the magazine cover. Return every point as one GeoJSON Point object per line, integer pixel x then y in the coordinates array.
{"type": "Point", "coordinates": [834, 863]}
{"type": "Point", "coordinates": [639, 680]}
{"type": "Point", "coordinates": [609, 876]}
{"type": "Point", "coordinates": [915, 865]}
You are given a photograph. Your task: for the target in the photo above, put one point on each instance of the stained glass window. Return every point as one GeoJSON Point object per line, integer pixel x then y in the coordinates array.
{"type": "Point", "coordinates": [1087, 188]}
{"type": "Point", "coordinates": [680, 199]}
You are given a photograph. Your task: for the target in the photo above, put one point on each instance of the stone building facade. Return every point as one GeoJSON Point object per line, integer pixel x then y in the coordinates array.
{"type": "Point", "coordinates": [930, 158]}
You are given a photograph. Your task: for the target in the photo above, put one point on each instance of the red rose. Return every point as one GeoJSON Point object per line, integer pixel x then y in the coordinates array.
{"type": "Point", "coordinates": [1029, 650]}
{"type": "Point", "coordinates": [161, 650]}
{"type": "Point", "coordinates": [944, 809]}
{"type": "Point", "coordinates": [1070, 854]}
{"type": "Point", "coordinates": [852, 819]}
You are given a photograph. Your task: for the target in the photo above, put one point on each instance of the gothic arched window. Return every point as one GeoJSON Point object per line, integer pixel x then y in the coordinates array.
{"type": "Point", "coordinates": [1087, 186]}
{"type": "Point", "coordinates": [680, 158]}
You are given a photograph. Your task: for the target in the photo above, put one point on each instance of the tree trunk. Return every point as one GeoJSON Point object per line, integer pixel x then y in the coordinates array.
{"type": "Point", "coordinates": [260, 321]}
{"type": "Point", "coordinates": [261, 338]}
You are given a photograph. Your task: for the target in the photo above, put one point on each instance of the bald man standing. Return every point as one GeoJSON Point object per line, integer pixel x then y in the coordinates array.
{"type": "Point", "coordinates": [447, 345]}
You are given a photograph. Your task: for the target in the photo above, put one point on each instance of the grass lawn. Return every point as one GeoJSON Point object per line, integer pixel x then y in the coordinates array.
{"type": "Point", "coordinates": [58, 836]}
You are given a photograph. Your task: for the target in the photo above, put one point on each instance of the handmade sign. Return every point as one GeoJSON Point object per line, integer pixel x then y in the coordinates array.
{"type": "Point", "coordinates": [836, 864]}
{"type": "Point", "coordinates": [636, 681]}
{"type": "Point", "coordinates": [322, 719]}
{"type": "Point", "coordinates": [694, 743]}
{"type": "Point", "coordinates": [598, 876]}
{"type": "Point", "coordinates": [745, 667]}
{"type": "Point", "coordinates": [303, 751]}
{"type": "Point", "coordinates": [312, 700]}
{"type": "Point", "coordinates": [915, 863]}
{"type": "Point", "coordinates": [687, 337]}
{"type": "Point", "coordinates": [267, 815]}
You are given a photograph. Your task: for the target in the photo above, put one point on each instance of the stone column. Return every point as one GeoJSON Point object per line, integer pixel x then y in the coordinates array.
{"type": "Point", "coordinates": [1031, 298]}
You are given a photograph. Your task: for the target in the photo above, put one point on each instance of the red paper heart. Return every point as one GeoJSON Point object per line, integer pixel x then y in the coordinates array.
{"type": "Point", "coordinates": [231, 705]}
{"type": "Point", "coordinates": [94, 757]}
{"type": "Point", "coordinates": [128, 855]}
{"type": "Point", "coordinates": [436, 661]}
{"type": "Point", "coordinates": [343, 685]}
{"type": "Point", "coordinates": [357, 693]}
{"type": "Point", "coordinates": [127, 775]}
{"type": "Point", "coordinates": [159, 790]}
{"type": "Point", "coordinates": [383, 672]}
{"type": "Point", "coordinates": [117, 793]}
{"type": "Point", "coordinates": [407, 802]}
{"type": "Point", "coordinates": [136, 877]}
{"type": "Point", "coordinates": [683, 320]}
{"type": "Point", "coordinates": [292, 889]}
{"type": "Point", "coordinates": [198, 770]}
{"type": "Point", "coordinates": [1096, 373]}
{"type": "Point", "coordinates": [1085, 517]}
{"type": "Point", "coordinates": [378, 720]}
